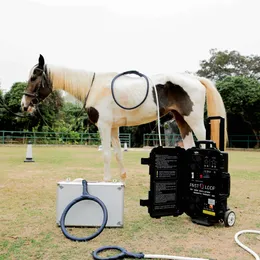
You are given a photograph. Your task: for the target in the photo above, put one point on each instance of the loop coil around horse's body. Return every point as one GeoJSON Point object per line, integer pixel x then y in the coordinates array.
{"type": "Point", "coordinates": [146, 95]}
{"type": "Point", "coordinates": [125, 73]}
{"type": "Point", "coordinates": [85, 196]}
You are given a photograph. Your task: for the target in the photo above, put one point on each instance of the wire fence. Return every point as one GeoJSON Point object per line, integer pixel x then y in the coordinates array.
{"type": "Point", "coordinates": [167, 139]}
{"type": "Point", "coordinates": [245, 141]}
{"type": "Point", "coordinates": [171, 140]}
{"type": "Point", "coordinates": [22, 137]}
{"type": "Point", "coordinates": [239, 141]}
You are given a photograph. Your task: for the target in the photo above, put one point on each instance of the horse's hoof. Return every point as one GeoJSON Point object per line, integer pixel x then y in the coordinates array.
{"type": "Point", "coordinates": [123, 178]}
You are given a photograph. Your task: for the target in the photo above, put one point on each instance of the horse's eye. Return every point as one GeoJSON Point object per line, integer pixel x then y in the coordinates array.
{"type": "Point", "coordinates": [33, 78]}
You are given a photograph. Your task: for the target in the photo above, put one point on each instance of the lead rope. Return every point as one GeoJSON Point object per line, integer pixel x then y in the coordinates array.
{"type": "Point", "coordinates": [2, 103]}
{"type": "Point", "coordinates": [44, 121]}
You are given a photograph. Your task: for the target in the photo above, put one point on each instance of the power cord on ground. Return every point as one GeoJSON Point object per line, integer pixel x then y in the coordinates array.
{"type": "Point", "coordinates": [123, 253]}
{"type": "Point", "coordinates": [250, 251]}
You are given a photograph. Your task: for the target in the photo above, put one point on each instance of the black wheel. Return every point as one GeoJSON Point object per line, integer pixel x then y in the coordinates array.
{"type": "Point", "coordinates": [229, 218]}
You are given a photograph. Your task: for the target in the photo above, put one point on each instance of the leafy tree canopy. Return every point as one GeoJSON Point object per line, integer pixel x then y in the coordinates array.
{"type": "Point", "coordinates": [229, 63]}
{"type": "Point", "coordinates": [241, 95]}
{"type": "Point", "coordinates": [13, 97]}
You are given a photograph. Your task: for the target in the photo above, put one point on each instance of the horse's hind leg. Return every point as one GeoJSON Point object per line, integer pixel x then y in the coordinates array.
{"type": "Point", "coordinates": [105, 134]}
{"type": "Point", "coordinates": [186, 130]}
{"type": "Point", "coordinates": [118, 152]}
{"type": "Point", "coordinates": [189, 124]}
{"type": "Point", "coordinates": [196, 123]}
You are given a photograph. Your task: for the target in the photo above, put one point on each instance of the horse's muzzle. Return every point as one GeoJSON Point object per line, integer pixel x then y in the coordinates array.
{"type": "Point", "coordinates": [30, 109]}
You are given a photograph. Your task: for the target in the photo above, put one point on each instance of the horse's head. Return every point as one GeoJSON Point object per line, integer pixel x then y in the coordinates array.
{"type": "Point", "coordinates": [38, 87]}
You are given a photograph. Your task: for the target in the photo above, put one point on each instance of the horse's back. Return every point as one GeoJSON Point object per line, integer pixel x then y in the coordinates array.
{"type": "Point", "coordinates": [184, 80]}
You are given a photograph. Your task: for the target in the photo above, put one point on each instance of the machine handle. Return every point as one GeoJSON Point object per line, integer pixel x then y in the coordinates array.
{"type": "Point", "coordinates": [208, 143]}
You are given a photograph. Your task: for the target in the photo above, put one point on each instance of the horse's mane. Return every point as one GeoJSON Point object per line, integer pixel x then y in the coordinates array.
{"type": "Point", "coordinates": [75, 82]}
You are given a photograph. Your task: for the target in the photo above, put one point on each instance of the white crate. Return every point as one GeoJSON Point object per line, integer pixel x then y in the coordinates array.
{"type": "Point", "coordinates": [89, 213]}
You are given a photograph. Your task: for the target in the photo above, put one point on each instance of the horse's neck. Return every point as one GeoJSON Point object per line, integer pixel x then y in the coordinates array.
{"type": "Point", "coordinates": [74, 82]}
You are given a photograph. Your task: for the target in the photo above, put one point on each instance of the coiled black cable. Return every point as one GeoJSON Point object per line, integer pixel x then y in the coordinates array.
{"type": "Point", "coordinates": [125, 73]}
{"type": "Point", "coordinates": [85, 196]}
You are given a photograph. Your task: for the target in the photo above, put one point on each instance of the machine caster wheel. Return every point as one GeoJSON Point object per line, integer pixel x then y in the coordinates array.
{"type": "Point", "coordinates": [229, 218]}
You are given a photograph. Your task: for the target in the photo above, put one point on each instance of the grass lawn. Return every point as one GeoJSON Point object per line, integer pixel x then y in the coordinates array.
{"type": "Point", "coordinates": [28, 208]}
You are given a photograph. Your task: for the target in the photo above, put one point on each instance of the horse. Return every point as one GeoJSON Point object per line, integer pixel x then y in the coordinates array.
{"type": "Point", "coordinates": [184, 95]}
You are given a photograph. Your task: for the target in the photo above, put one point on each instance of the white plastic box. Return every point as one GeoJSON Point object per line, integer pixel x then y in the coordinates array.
{"type": "Point", "coordinates": [89, 213]}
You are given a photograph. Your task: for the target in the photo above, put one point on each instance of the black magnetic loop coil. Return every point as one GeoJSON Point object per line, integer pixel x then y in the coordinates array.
{"type": "Point", "coordinates": [85, 196]}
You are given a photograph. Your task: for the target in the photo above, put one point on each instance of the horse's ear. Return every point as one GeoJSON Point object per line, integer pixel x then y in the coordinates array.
{"type": "Point", "coordinates": [41, 62]}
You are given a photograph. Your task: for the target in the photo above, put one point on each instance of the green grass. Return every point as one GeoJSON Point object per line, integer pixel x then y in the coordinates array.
{"type": "Point", "coordinates": [28, 207]}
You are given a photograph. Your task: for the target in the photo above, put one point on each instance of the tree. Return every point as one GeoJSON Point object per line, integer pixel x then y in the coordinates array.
{"type": "Point", "coordinates": [51, 115]}
{"type": "Point", "coordinates": [2, 110]}
{"type": "Point", "coordinates": [13, 97]}
{"type": "Point", "coordinates": [229, 63]}
{"type": "Point", "coordinates": [48, 111]}
{"type": "Point", "coordinates": [74, 118]}
{"type": "Point", "coordinates": [10, 105]}
{"type": "Point", "coordinates": [241, 95]}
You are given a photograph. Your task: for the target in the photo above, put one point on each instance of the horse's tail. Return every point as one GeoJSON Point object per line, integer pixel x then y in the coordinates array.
{"type": "Point", "coordinates": [215, 107]}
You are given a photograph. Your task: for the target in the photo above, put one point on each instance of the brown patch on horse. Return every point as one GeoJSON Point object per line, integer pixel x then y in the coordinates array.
{"type": "Point", "coordinates": [182, 124]}
{"type": "Point", "coordinates": [172, 96]}
{"type": "Point", "coordinates": [93, 114]}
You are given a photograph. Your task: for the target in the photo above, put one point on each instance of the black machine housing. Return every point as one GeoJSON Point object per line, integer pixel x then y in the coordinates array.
{"type": "Point", "coordinates": [194, 181]}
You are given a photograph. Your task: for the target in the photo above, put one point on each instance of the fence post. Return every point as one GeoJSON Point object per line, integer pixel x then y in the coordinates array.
{"type": "Point", "coordinates": [81, 138]}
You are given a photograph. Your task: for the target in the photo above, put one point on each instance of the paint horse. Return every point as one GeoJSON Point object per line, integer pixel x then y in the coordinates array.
{"type": "Point", "coordinates": [183, 95]}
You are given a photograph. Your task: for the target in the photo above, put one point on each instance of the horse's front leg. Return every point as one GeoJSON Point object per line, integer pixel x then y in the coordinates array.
{"type": "Point", "coordinates": [105, 134]}
{"type": "Point", "coordinates": [118, 152]}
